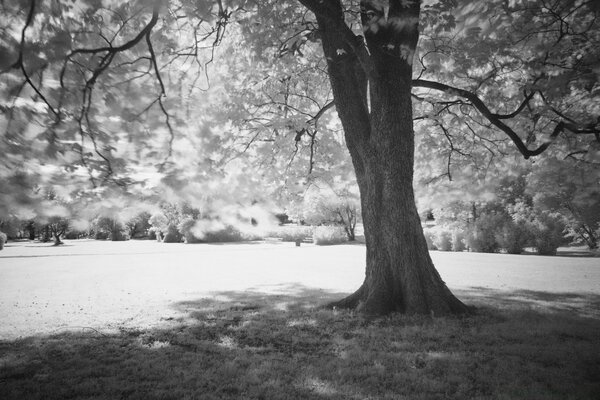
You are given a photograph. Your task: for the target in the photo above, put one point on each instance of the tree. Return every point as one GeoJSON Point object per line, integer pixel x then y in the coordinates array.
{"type": "Point", "coordinates": [571, 189]}
{"type": "Point", "coordinates": [109, 227]}
{"type": "Point", "coordinates": [330, 207]}
{"type": "Point", "coordinates": [56, 218]}
{"type": "Point", "coordinates": [476, 60]}
{"type": "Point", "coordinates": [138, 226]}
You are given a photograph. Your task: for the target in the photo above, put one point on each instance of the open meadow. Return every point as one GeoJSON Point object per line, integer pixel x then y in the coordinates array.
{"type": "Point", "coordinates": [141, 319]}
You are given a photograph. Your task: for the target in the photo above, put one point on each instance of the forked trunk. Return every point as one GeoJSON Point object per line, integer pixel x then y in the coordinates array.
{"type": "Point", "coordinates": [372, 91]}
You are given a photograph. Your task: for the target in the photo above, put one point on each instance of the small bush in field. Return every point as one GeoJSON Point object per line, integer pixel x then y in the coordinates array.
{"type": "Point", "coordinates": [482, 233]}
{"type": "Point", "coordinates": [327, 235]}
{"type": "Point", "coordinates": [172, 235]}
{"type": "Point", "coordinates": [443, 240]}
{"type": "Point", "coordinates": [513, 237]}
{"type": "Point", "coordinates": [548, 233]}
{"type": "Point", "coordinates": [186, 227]}
{"type": "Point", "coordinates": [223, 235]}
{"type": "Point", "coordinates": [3, 239]}
{"type": "Point", "coordinates": [458, 240]}
{"type": "Point", "coordinates": [100, 235]}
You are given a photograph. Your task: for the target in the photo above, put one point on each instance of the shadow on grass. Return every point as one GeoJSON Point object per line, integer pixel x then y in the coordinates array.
{"type": "Point", "coordinates": [277, 343]}
{"type": "Point", "coordinates": [578, 304]}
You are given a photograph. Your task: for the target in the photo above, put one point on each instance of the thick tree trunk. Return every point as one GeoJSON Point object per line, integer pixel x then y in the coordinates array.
{"type": "Point", "coordinates": [372, 91]}
{"type": "Point", "coordinates": [400, 275]}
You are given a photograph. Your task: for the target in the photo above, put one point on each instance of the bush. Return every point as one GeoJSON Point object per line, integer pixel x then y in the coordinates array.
{"type": "Point", "coordinates": [513, 237]}
{"type": "Point", "coordinates": [291, 233]}
{"type": "Point", "coordinates": [223, 235]}
{"type": "Point", "coordinates": [185, 227]}
{"type": "Point", "coordinates": [3, 239]}
{"type": "Point", "coordinates": [548, 233]}
{"type": "Point", "coordinates": [172, 235]}
{"type": "Point", "coordinates": [327, 235]}
{"type": "Point", "coordinates": [481, 237]}
{"type": "Point", "coordinates": [443, 240]}
{"type": "Point", "coordinates": [100, 235]}
{"type": "Point", "coordinates": [211, 232]}
{"type": "Point", "coordinates": [458, 240]}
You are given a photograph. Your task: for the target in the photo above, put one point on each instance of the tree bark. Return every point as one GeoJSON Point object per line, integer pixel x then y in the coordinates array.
{"type": "Point", "coordinates": [372, 92]}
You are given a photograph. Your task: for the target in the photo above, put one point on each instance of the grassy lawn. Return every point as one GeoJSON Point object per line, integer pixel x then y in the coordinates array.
{"type": "Point", "coordinates": [521, 343]}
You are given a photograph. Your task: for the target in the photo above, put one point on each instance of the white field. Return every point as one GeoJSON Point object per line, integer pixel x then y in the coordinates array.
{"type": "Point", "coordinates": [110, 285]}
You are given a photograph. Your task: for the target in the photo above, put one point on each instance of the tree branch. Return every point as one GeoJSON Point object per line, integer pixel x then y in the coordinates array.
{"type": "Point", "coordinates": [494, 119]}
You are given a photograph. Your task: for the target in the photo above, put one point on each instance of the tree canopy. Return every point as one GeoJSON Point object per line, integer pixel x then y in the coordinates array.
{"type": "Point", "coordinates": [111, 92]}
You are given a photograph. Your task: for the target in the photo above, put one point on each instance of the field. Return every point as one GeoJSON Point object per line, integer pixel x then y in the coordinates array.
{"type": "Point", "coordinates": [145, 320]}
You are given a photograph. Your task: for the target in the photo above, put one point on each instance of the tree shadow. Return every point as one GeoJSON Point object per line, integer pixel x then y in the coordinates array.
{"type": "Point", "coordinates": [278, 342]}
{"type": "Point", "coordinates": [581, 304]}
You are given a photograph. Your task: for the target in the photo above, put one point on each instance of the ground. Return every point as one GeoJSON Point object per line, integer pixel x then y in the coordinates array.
{"type": "Point", "coordinates": [109, 285]}
{"type": "Point", "coordinates": [142, 319]}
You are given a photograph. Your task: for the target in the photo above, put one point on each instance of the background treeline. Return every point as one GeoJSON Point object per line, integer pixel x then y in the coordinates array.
{"type": "Point", "coordinates": [524, 214]}
{"type": "Point", "coordinates": [540, 210]}
{"type": "Point", "coordinates": [324, 219]}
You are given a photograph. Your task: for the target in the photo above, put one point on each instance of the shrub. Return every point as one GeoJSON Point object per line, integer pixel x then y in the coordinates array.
{"type": "Point", "coordinates": [513, 237]}
{"type": "Point", "coordinates": [548, 233]}
{"type": "Point", "coordinates": [109, 228]}
{"type": "Point", "coordinates": [291, 233]}
{"type": "Point", "coordinates": [443, 240]}
{"type": "Point", "coordinates": [481, 237]}
{"type": "Point", "coordinates": [458, 240]}
{"type": "Point", "coordinates": [185, 227]}
{"type": "Point", "coordinates": [327, 235]}
{"type": "Point", "coordinates": [172, 235]}
{"type": "Point", "coordinates": [3, 239]}
{"type": "Point", "coordinates": [100, 235]}
{"type": "Point", "coordinates": [223, 235]}
{"type": "Point", "coordinates": [209, 231]}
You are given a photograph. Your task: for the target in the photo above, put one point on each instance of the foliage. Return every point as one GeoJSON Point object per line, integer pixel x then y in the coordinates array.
{"type": "Point", "coordinates": [329, 207]}
{"type": "Point", "coordinates": [443, 240]}
{"type": "Point", "coordinates": [548, 232]}
{"type": "Point", "coordinates": [3, 239]}
{"type": "Point", "coordinates": [481, 236]}
{"type": "Point", "coordinates": [109, 228]}
{"type": "Point", "coordinates": [138, 226]}
{"type": "Point", "coordinates": [458, 240]}
{"type": "Point", "coordinates": [291, 233]}
{"type": "Point", "coordinates": [165, 223]}
{"type": "Point", "coordinates": [513, 237]}
{"type": "Point", "coordinates": [572, 190]}
{"type": "Point", "coordinates": [328, 235]}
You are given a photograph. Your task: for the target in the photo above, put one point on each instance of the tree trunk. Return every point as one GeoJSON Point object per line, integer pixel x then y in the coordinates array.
{"type": "Point", "coordinates": [372, 92]}
{"type": "Point", "coordinates": [57, 241]}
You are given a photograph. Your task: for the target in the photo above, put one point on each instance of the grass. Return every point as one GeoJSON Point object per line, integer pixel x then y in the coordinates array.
{"type": "Point", "coordinates": [140, 320]}
{"type": "Point", "coordinates": [251, 345]}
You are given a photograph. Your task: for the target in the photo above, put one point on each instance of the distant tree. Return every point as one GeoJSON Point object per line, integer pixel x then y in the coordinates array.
{"type": "Point", "coordinates": [109, 227]}
{"type": "Point", "coordinates": [139, 225]}
{"type": "Point", "coordinates": [326, 207]}
{"type": "Point", "coordinates": [571, 189]}
{"type": "Point", "coordinates": [166, 222]}
{"type": "Point", "coordinates": [57, 227]}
